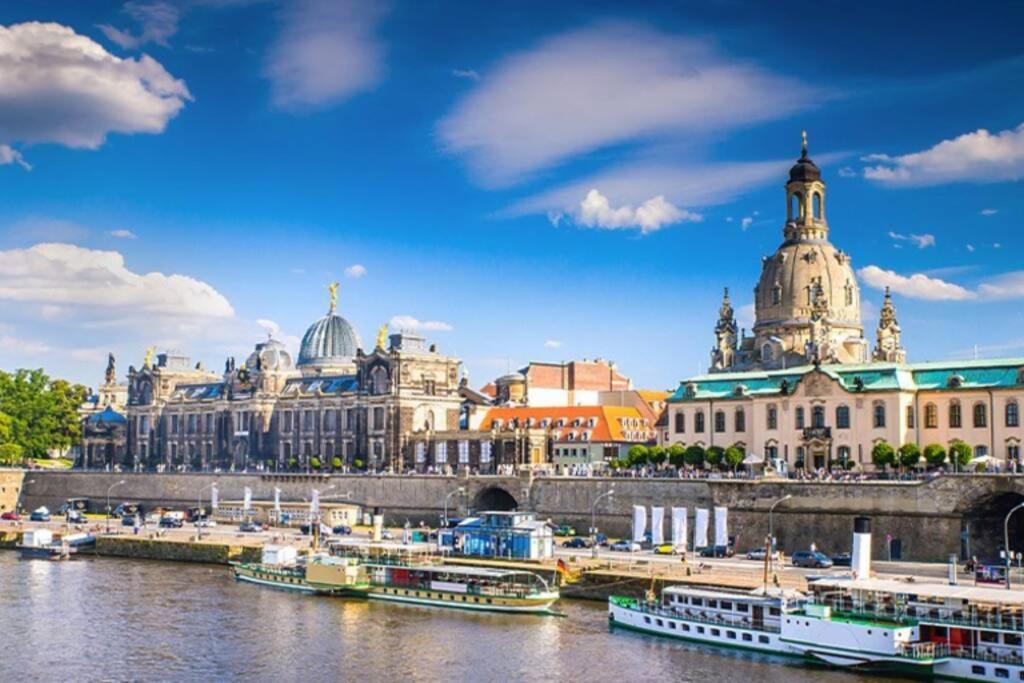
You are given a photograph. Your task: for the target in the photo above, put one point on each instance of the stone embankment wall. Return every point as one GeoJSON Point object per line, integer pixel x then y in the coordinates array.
{"type": "Point", "coordinates": [926, 517]}
{"type": "Point", "coordinates": [10, 488]}
{"type": "Point", "coordinates": [175, 551]}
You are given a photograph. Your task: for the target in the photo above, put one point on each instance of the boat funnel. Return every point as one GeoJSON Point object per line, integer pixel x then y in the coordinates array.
{"type": "Point", "coordinates": [861, 560]}
{"type": "Point", "coordinates": [378, 527]}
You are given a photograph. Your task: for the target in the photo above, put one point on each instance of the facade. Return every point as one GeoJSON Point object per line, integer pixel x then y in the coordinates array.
{"type": "Point", "coordinates": [575, 383]}
{"type": "Point", "coordinates": [104, 426]}
{"type": "Point", "coordinates": [335, 401]}
{"type": "Point", "coordinates": [805, 390]}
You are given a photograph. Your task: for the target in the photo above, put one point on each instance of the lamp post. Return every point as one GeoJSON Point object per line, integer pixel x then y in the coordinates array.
{"type": "Point", "coordinates": [199, 511]}
{"type": "Point", "coordinates": [1006, 541]}
{"type": "Point", "coordinates": [771, 528]}
{"type": "Point", "coordinates": [109, 489]}
{"type": "Point", "coordinates": [593, 519]}
{"type": "Point", "coordinates": [461, 489]}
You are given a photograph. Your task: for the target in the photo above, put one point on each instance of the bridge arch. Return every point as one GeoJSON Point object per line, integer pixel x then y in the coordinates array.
{"type": "Point", "coordinates": [495, 498]}
{"type": "Point", "coordinates": [983, 524]}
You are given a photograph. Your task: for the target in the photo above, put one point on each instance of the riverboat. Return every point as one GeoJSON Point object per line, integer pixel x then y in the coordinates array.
{"type": "Point", "coordinates": [279, 567]}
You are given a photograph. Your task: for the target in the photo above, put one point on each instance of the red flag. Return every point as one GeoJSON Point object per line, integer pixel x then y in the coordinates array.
{"type": "Point", "coordinates": [563, 568]}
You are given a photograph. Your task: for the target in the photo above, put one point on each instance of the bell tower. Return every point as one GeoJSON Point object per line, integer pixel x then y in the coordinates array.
{"type": "Point", "coordinates": [723, 355]}
{"type": "Point", "coordinates": [805, 200]}
{"type": "Point", "coordinates": [888, 348]}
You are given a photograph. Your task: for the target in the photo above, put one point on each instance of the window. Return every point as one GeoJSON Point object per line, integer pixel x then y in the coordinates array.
{"type": "Point", "coordinates": [747, 637]}
{"type": "Point", "coordinates": [843, 417]}
{"type": "Point", "coordinates": [680, 422]}
{"type": "Point", "coordinates": [978, 669]}
{"type": "Point", "coordinates": [910, 417]}
{"type": "Point", "coordinates": [1002, 673]}
{"type": "Point", "coordinates": [329, 421]}
{"type": "Point", "coordinates": [378, 418]}
{"type": "Point", "coordinates": [430, 387]}
{"type": "Point", "coordinates": [931, 416]}
{"type": "Point", "coordinates": [1012, 414]}
{"type": "Point", "coordinates": [800, 418]}
{"type": "Point", "coordinates": [879, 415]}
{"type": "Point", "coordinates": [307, 420]}
{"type": "Point", "coordinates": [762, 639]}
{"type": "Point", "coordinates": [980, 451]}
{"type": "Point", "coordinates": [698, 422]}
{"type": "Point", "coordinates": [731, 635]}
{"type": "Point", "coordinates": [817, 205]}
{"type": "Point", "coordinates": [954, 415]}
{"type": "Point", "coordinates": [719, 421]}
{"type": "Point", "coordinates": [741, 420]}
{"type": "Point", "coordinates": [818, 416]}
{"type": "Point", "coordinates": [980, 415]}
{"type": "Point", "coordinates": [773, 417]}
{"type": "Point", "coordinates": [776, 300]}
{"type": "Point", "coordinates": [1013, 452]}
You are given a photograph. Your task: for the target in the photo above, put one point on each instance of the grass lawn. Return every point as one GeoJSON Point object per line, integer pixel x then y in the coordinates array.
{"type": "Point", "coordinates": [54, 464]}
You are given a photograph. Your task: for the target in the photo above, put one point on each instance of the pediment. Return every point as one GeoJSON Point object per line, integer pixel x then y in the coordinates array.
{"type": "Point", "coordinates": [818, 384]}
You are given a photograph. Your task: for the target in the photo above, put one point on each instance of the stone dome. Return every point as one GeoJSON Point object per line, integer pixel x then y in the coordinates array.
{"type": "Point", "coordinates": [270, 355]}
{"type": "Point", "coordinates": [330, 342]}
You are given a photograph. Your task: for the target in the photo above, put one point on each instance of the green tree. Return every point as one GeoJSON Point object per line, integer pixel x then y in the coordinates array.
{"type": "Point", "coordinates": [5, 428]}
{"type": "Point", "coordinates": [734, 457]}
{"type": "Point", "coordinates": [43, 413]}
{"type": "Point", "coordinates": [10, 454]}
{"type": "Point", "coordinates": [909, 455]}
{"type": "Point", "coordinates": [677, 455]}
{"type": "Point", "coordinates": [714, 456]}
{"type": "Point", "coordinates": [883, 455]}
{"type": "Point", "coordinates": [314, 462]}
{"type": "Point", "coordinates": [336, 463]}
{"type": "Point", "coordinates": [694, 456]}
{"type": "Point", "coordinates": [934, 454]}
{"type": "Point", "coordinates": [960, 454]}
{"type": "Point", "coordinates": [656, 455]}
{"type": "Point", "coordinates": [637, 455]}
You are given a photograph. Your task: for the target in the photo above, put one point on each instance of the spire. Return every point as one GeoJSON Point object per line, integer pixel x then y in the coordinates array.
{"type": "Point", "coordinates": [803, 146]}
{"type": "Point", "coordinates": [723, 354]}
{"type": "Point", "coordinates": [887, 348]}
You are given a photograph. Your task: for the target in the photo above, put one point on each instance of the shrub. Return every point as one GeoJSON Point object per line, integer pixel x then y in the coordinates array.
{"type": "Point", "coordinates": [694, 456]}
{"type": "Point", "coordinates": [637, 455]}
{"type": "Point", "coordinates": [314, 462]}
{"type": "Point", "coordinates": [293, 463]}
{"type": "Point", "coordinates": [960, 453]}
{"type": "Point", "coordinates": [677, 455]}
{"type": "Point", "coordinates": [10, 454]}
{"type": "Point", "coordinates": [336, 463]}
{"type": "Point", "coordinates": [358, 463]}
{"type": "Point", "coordinates": [883, 455]}
{"type": "Point", "coordinates": [734, 456]}
{"type": "Point", "coordinates": [656, 455]}
{"type": "Point", "coordinates": [909, 455]}
{"type": "Point", "coordinates": [934, 454]}
{"type": "Point", "coordinates": [714, 455]}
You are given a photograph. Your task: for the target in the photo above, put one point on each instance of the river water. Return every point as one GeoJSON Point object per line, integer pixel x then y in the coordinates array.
{"type": "Point", "coordinates": [108, 619]}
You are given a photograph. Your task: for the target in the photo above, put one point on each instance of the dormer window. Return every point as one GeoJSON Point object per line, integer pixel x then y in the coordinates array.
{"type": "Point", "coordinates": [955, 381]}
{"type": "Point", "coordinates": [592, 422]}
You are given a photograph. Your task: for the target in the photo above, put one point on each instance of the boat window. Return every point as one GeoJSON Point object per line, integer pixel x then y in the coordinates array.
{"type": "Point", "coordinates": [1002, 673]}
{"type": "Point", "coordinates": [725, 604]}
{"type": "Point", "coordinates": [741, 607]}
{"type": "Point", "coordinates": [712, 603]}
{"type": "Point", "coordinates": [731, 635]}
{"type": "Point", "coordinates": [715, 632]}
{"type": "Point", "coordinates": [686, 627]}
{"type": "Point", "coordinates": [762, 639]}
{"type": "Point", "coordinates": [660, 622]}
{"type": "Point", "coordinates": [774, 611]}
{"type": "Point", "coordinates": [747, 637]}
{"type": "Point", "coordinates": [1012, 638]}
{"type": "Point", "coordinates": [647, 620]}
{"type": "Point", "coordinates": [977, 669]}
{"type": "Point", "coordinates": [672, 625]}
{"type": "Point", "coordinates": [700, 629]}
{"type": "Point", "coordinates": [696, 601]}
{"type": "Point", "coordinates": [988, 636]}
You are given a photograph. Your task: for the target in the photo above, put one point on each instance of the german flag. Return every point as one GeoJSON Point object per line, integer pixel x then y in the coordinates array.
{"type": "Point", "coordinates": [562, 567]}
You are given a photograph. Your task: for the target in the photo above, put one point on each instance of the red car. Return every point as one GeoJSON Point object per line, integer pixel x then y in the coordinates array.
{"type": "Point", "coordinates": [10, 516]}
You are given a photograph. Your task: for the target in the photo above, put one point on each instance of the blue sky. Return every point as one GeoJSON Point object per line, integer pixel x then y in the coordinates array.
{"type": "Point", "coordinates": [519, 181]}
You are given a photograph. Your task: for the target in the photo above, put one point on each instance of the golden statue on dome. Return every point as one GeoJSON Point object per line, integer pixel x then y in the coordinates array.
{"type": "Point", "coordinates": [382, 337]}
{"type": "Point", "coordinates": [147, 360]}
{"type": "Point", "coordinates": [332, 291]}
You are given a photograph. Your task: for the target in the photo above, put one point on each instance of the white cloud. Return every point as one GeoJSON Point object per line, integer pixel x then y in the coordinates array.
{"type": "Point", "coordinates": [1005, 286]}
{"type": "Point", "coordinates": [989, 212]}
{"type": "Point", "coordinates": [746, 222]}
{"type": "Point", "coordinates": [158, 21]}
{"type": "Point", "coordinates": [997, 245]}
{"type": "Point", "coordinates": [922, 241]}
{"type": "Point", "coordinates": [604, 85]}
{"type": "Point", "coordinates": [275, 332]}
{"type": "Point", "coordinates": [468, 74]}
{"type": "Point", "coordinates": [970, 248]}
{"type": "Point", "coordinates": [123, 234]}
{"type": "Point", "coordinates": [596, 211]}
{"type": "Point", "coordinates": [327, 51]}
{"type": "Point", "coordinates": [59, 86]}
{"type": "Point", "coordinates": [24, 347]}
{"type": "Point", "coordinates": [65, 274]}
{"type": "Point", "coordinates": [977, 157]}
{"type": "Point", "coordinates": [407, 322]}
{"type": "Point", "coordinates": [9, 155]}
{"type": "Point", "coordinates": [745, 316]}
{"type": "Point", "coordinates": [916, 286]}
{"type": "Point", "coordinates": [356, 270]}
{"type": "Point", "coordinates": [847, 172]}
{"type": "Point", "coordinates": [552, 344]}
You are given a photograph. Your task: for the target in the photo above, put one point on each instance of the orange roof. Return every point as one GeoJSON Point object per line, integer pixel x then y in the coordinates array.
{"type": "Point", "coordinates": [610, 423]}
{"type": "Point", "coordinates": [489, 390]}
{"type": "Point", "coordinates": [653, 396]}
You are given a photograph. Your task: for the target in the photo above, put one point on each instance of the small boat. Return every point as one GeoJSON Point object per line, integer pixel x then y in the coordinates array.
{"type": "Point", "coordinates": [40, 544]}
{"type": "Point", "coordinates": [279, 568]}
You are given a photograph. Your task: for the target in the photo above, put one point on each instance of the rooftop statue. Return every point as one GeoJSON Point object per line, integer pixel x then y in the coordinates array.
{"type": "Point", "coordinates": [147, 360]}
{"type": "Point", "coordinates": [382, 337]}
{"type": "Point", "coordinates": [332, 291]}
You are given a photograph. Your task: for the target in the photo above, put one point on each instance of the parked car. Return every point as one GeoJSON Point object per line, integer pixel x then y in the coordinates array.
{"type": "Point", "coordinates": [624, 546]}
{"type": "Point", "coordinates": [171, 523]}
{"type": "Point", "coordinates": [565, 530]}
{"type": "Point", "coordinates": [576, 543]}
{"type": "Point", "coordinates": [40, 515]}
{"type": "Point", "coordinates": [717, 551]}
{"type": "Point", "coordinates": [251, 527]}
{"type": "Point", "coordinates": [387, 534]}
{"type": "Point", "coordinates": [812, 559]}
{"type": "Point", "coordinates": [10, 516]}
{"type": "Point", "coordinates": [759, 554]}
{"type": "Point", "coordinates": [76, 517]}
{"type": "Point", "coordinates": [127, 509]}
{"type": "Point", "coordinates": [601, 540]}
{"type": "Point", "coordinates": [342, 530]}
{"type": "Point", "coordinates": [128, 520]}
{"type": "Point", "coordinates": [668, 549]}
{"type": "Point", "coordinates": [205, 523]}
{"type": "Point", "coordinates": [842, 560]}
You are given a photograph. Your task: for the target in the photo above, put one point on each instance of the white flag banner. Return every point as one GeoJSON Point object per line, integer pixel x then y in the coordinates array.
{"type": "Point", "coordinates": [463, 452]}
{"type": "Point", "coordinates": [247, 503]}
{"type": "Point", "coordinates": [657, 525]}
{"type": "Point", "coordinates": [421, 451]}
{"type": "Point", "coordinates": [277, 499]}
{"type": "Point", "coordinates": [213, 497]}
{"type": "Point", "coordinates": [700, 529]}
{"type": "Point", "coordinates": [679, 527]}
{"type": "Point", "coordinates": [721, 526]}
{"type": "Point", "coordinates": [485, 451]}
{"type": "Point", "coordinates": [314, 502]}
{"type": "Point", "coordinates": [441, 452]}
{"type": "Point", "coordinates": [639, 522]}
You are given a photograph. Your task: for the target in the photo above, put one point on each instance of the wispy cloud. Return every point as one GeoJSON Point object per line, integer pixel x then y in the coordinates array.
{"type": "Point", "coordinates": [922, 241]}
{"type": "Point", "coordinates": [604, 85]}
{"type": "Point", "coordinates": [9, 155]}
{"type": "Point", "coordinates": [123, 234]}
{"type": "Point", "coordinates": [158, 21]}
{"type": "Point", "coordinates": [468, 74]}
{"type": "Point", "coordinates": [552, 344]}
{"type": "Point", "coordinates": [977, 157]}
{"type": "Point", "coordinates": [920, 286]}
{"type": "Point", "coordinates": [408, 322]}
{"type": "Point", "coordinates": [326, 52]}
{"type": "Point", "coordinates": [355, 271]}
{"type": "Point", "coordinates": [989, 212]}
{"type": "Point", "coordinates": [847, 172]}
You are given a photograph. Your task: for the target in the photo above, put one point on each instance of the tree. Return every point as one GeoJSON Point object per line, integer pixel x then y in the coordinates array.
{"type": "Point", "coordinates": [960, 454]}
{"type": "Point", "coordinates": [934, 454]}
{"type": "Point", "coordinates": [336, 463]}
{"type": "Point", "coordinates": [694, 456]}
{"type": "Point", "coordinates": [677, 455]}
{"type": "Point", "coordinates": [656, 455]}
{"type": "Point", "coordinates": [314, 462]}
{"type": "Point", "coordinates": [10, 454]}
{"type": "Point", "coordinates": [909, 455]}
{"type": "Point", "coordinates": [637, 455]}
{"type": "Point", "coordinates": [714, 456]}
{"type": "Point", "coordinates": [43, 413]}
{"type": "Point", "coordinates": [734, 457]}
{"type": "Point", "coordinates": [883, 455]}
{"type": "Point", "coordinates": [5, 428]}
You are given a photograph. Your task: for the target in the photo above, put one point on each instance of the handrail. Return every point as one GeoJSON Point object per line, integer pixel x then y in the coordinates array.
{"type": "Point", "coordinates": [646, 608]}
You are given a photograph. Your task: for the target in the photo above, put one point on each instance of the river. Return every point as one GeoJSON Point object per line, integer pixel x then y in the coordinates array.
{"type": "Point", "coordinates": [109, 619]}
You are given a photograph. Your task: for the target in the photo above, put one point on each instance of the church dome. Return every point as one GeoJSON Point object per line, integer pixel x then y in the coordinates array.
{"type": "Point", "coordinates": [329, 342]}
{"type": "Point", "coordinates": [270, 355]}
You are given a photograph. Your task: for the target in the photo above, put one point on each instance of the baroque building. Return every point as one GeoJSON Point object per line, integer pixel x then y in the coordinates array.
{"type": "Point", "coordinates": [804, 390]}
{"type": "Point", "coordinates": [335, 401]}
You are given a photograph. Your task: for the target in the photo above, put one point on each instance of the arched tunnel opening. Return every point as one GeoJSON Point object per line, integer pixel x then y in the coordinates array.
{"type": "Point", "coordinates": [494, 498]}
{"type": "Point", "coordinates": [983, 527]}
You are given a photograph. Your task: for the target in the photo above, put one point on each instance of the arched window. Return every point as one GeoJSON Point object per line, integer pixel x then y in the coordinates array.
{"type": "Point", "coordinates": [849, 294]}
{"type": "Point", "coordinates": [910, 417]}
{"type": "Point", "coordinates": [776, 295]}
{"type": "Point", "coordinates": [980, 415]}
{"type": "Point", "coordinates": [799, 418]}
{"type": "Point", "coordinates": [818, 416]}
{"type": "Point", "coordinates": [879, 415]}
{"type": "Point", "coordinates": [719, 420]}
{"type": "Point", "coordinates": [766, 353]}
{"type": "Point", "coordinates": [698, 421]}
{"type": "Point", "coordinates": [773, 417]}
{"type": "Point", "coordinates": [379, 381]}
{"type": "Point", "coordinates": [955, 418]}
{"type": "Point", "coordinates": [1012, 414]}
{"type": "Point", "coordinates": [844, 454]}
{"type": "Point", "coordinates": [843, 417]}
{"type": "Point", "coordinates": [741, 420]}
{"type": "Point", "coordinates": [931, 416]}
{"type": "Point", "coordinates": [817, 206]}
{"type": "Point", "coordinates": [796, 205]}
{"type": "Point", "coordinates": [680, 422]}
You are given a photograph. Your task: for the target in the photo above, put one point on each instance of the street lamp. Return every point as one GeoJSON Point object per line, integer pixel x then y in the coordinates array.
{"type": "Point", "coordinates": [109, 489]}
{"type": "Point", "coordinates": [1006, 541]}
{"type": "Point", "coordinates": [593, 519]}
{"type": "Point", "coordinates": [771, 528]}
{"type": "Point", "coordinates": [461, 489]}
{"type": "Point", "coordinates": [199, 511]}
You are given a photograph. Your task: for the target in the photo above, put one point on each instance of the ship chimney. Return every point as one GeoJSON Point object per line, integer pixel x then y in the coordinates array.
{"type": "Point", "coordinates": [861, 560]}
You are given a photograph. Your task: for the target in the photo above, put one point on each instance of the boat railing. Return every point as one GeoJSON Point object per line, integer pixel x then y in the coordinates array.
{"type": "Point", "coordinates": [923, 650]}
{"type": "Point", "coordinates": [702, 617]}
{"type": "Point", "coordinates": [911, 615]}
{"type": "Point", "coordinates": [984, 655]}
